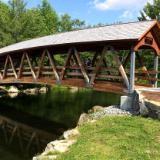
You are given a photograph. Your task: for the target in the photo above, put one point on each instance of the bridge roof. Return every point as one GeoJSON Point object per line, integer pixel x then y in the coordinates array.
{"type": "Point", "coordinates": [118, 32]}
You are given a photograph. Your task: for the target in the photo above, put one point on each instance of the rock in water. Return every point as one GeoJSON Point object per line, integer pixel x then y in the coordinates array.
{"type": "Point", "coordinates": [13, 89]}
{"type": "Point", "coordinates": [43, 90]}
{"type": "Point", "coordinates": [32, 91]}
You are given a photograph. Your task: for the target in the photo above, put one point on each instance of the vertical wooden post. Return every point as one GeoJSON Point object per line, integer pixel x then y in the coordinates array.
{"type": "Point", "coordinates": [132, 71]}
{"type": "Point", "coordinates": [156, 61]}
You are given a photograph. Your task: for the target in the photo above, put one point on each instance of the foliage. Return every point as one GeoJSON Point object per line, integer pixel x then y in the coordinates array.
{"type": "Point", "coordinates": [150, 11]}
{"type": "Point", "coordinates": [5, 36]}
{"type": "Point", "coordinates": [117, 138]}
{"type": "Point", "coordinates": [68, 24]}
{"type": "Point", "coordinates": [19, 23]}
{"type": "Point", "coordinates": [50, 17]}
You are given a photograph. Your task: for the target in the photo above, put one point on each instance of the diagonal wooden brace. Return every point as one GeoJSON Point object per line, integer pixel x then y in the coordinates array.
{"type": "Point", "coordinates": [76, 53]}
{"type": "Point", "coordinates": [121, 70]}
{"type": "Point", "coordinates": [52, 62]}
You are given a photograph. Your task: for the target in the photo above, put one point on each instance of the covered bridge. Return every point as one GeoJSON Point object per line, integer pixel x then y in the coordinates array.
{"type": "Point", "coordinates": [107, 58]}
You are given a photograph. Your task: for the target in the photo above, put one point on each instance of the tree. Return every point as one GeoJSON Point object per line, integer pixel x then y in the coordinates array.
{"type": "Point", "coordinates": [68, 24]}
{"type": "Point", "coordinates": [17, 12]}
{"type": "Point", "coordinates": [50, 17]}
{"type": "Point", "coordinates": [150, 11]}
{"type": "Point", "coordinates": [34, 24]}
{"type": "Point", "coordinates": [78, 24]}
{"type": "Point", "coordinates": [5, 37]}
{"type": "Point", "coordinates": [19, 23]}
{"type": "Point", "coordinates": [65, 23]}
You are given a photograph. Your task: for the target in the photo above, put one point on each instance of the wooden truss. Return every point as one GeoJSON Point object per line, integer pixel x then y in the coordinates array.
{"type": "Point", "coordinates": [74, 55]}
{"type": "Point", "coordinates": [74, 70]}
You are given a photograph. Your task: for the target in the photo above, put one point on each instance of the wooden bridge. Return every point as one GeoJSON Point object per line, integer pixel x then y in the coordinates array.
{"type": "Point", "coordinates": [105, 58]}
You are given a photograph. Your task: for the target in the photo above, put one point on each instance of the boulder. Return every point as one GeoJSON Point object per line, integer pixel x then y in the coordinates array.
{"type": "Point", "coordinates": [47, 157]}
{"type": "Point", "coordinates": [13, 89]}
{"type": "Point", "coordinates": [60, 146]}
{"type": "Point", "coordinates": [12, 95]}
{"type": "Point", "coordinates": [96, 109]}
{"type": "Point", "coordinates": [143, 108]}
{"type": "Point", "coordinates": [84, 118]}
{"type": "Point", "coordinates": [43, 90]}
{"type": "Point", "coordinates": [3, 90]}
{"type": "Point", "coordinates": [31, 91]}
{"type": "Point", "coordinates": [70, 134]}
{"type": "Point", "coordinates": [73, 89]}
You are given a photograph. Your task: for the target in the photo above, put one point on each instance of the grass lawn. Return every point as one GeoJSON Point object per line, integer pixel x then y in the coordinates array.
{"type": "Point", "coordinates": [117, 138]}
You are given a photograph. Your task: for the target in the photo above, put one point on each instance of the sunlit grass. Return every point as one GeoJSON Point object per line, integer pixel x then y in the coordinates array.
{"type": "Point", "coordinates": [117, 138]}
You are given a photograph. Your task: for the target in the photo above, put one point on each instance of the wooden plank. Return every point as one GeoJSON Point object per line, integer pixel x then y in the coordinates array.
{"type": "Point", "coordinates": [21, 66]}
{"type": "Point", "coordinates": [52, 62]}
{"type": "Point", "coordinates": [97, 68]}
{"type": "Point", "coordinates": [12, 135]}
{"type": "Point", "coordinates": [1, 77]}
{"type": "Point", "coordinates": [75, 74]}
{"type": "Point", "coordinates": [4, 131]}
{"type": "Point", "coordinates": [13, 68]}
{"type": "Point", "coordinates": [20, 139]}
{"type": "Point", "coordinates": [41, 64]}
{"type": "Point", "coordinates": [95, 58]}
{"type": "Point", "coordinates": [81, 65]}
{"type": "Point", "coordinates": [147, 78]}
{"type": "Point", "coordinates": [30, 141]}
{"type": "Point", "coordinates": [109, 77]}
{"type": "Point", "coordinates": [121, 70]}
{"type": "Point", "coordinates": [47, 73]}
{"type": "Point", "coordinates": [5, 67]}
{"type": "Point", "coordinates": [30, 65]}
{"type": "Point", "coordinates": [69, 54]}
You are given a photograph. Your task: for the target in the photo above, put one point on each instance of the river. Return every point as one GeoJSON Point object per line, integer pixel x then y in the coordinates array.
{"type": "Point", "coordinates": [54, 112]}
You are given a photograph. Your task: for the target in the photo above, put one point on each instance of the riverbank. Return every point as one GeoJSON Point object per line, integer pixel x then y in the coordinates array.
{"type": "Point", "coordinates": [117, 138]}
{"type": "Point", "coordinates": [110, 133]}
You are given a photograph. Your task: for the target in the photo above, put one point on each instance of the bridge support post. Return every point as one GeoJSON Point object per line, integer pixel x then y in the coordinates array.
{"type": "Point", "coordinates": [132, 71]}
{"type": "Point", "coordinates": [156, 62]}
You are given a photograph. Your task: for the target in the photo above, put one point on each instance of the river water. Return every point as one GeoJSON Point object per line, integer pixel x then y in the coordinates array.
{"type": "Point", "coordinates": [54, 112]}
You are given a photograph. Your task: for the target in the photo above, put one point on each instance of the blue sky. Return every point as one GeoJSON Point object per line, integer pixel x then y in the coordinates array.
{"type": "Point", "coordinates": [97, 11]}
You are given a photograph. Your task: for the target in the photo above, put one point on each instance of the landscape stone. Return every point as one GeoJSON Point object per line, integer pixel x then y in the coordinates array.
{"type": "Point", "coordinates": [71, 133]}
{"type": "Point", "coordinates": [13, 89]}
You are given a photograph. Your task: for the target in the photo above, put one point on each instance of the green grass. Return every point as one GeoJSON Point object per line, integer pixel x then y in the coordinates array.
{"type": "Point", "coordinates": [117, 138]}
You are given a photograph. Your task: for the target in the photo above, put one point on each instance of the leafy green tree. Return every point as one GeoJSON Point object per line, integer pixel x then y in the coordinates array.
{"type": "Point", "coordinates": [34, 24]}
{"type": "Point", "coordinates": [17, 12]}
{"type": "Point", "coordinates": [150, 11]}
{"type": "Point", "coordinates": [78, 24]}
{"type": "Point", "coordinates": [5, 36]}
{"type": "Point", "coordinates": [19, 23]}
{"type": "Point", "coordinates": [50, 17]}
{"type": "Point", "coordinates": [68, 24]}
{"type": "Point", "coordinates": [65, 23]}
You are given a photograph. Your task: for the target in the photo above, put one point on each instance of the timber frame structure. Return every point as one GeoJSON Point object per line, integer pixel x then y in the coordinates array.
{"type": "Point", "coordinates": [34, 61]}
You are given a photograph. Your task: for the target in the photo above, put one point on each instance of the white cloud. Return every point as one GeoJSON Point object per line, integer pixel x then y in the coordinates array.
{"type": "Point", "coordinates": [119, 4]}
{"type": "Point", "coordinates": [127, 14]}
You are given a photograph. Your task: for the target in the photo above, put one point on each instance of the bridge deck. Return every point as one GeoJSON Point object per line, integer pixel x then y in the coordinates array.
{"type": "Point", "coordinates": [151, 94]}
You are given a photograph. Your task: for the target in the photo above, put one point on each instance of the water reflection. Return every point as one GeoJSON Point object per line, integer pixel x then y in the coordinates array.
{"type": "Point", "coordinates": [53, 112]}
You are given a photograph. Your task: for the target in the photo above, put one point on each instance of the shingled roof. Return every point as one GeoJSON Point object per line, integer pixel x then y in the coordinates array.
{"type": "Point", "coordinates": [126, 31]}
